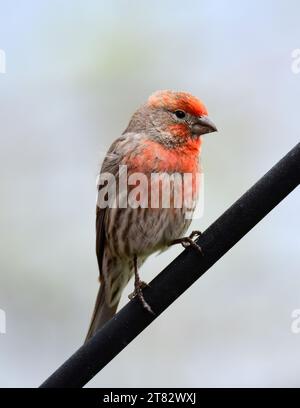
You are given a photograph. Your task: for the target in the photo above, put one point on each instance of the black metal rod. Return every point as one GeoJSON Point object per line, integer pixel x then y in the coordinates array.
{"type": "Point", "coordinates": [222, 235]}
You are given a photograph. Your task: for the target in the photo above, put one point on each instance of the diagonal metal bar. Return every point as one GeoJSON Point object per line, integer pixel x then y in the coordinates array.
{"type": "Point", "coordinates": [221, 236]}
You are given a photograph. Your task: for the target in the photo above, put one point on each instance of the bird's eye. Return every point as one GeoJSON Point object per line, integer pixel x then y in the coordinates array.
{"type": "Point", "coordinates": [180, 114]}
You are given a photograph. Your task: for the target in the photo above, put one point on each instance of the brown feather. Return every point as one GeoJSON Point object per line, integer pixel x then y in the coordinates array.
{"type": "Point", "coordinates": [102, 313]}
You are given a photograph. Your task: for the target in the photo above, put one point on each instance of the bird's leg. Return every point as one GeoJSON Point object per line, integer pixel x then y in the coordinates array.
{"type": "Point", "coordinates": [195, 234]}
{"type": "Point", "coordinates": [189, 242]}
{"type": "Point", "coordinates": [138, 287]}
{"type": "Point", "coordinates": [142, 286]}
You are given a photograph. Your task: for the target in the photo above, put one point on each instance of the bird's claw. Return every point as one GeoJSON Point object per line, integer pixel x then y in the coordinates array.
{"type": "Point", "coordinates": [195, 234]}
{"type": "Point", "coordinates": [187, 242]}
{"type": "Point", "coordinates": [138, 292]}
{"type": "Point", "coordinates": [135, 292]}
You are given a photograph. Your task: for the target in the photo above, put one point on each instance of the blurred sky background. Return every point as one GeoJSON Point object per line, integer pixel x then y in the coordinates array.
{"type": "Point", "coordinates": [76, 71]}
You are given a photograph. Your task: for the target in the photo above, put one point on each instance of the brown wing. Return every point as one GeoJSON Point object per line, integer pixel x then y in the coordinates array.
{"type": "Point", "coordinates": [100, 235]}
{"type": "Point", "coordinates": [102, 311]}
{"type": "Point", "coordinates": [111, 164]}
{"type": "Point", "coordinates": [123, 146]}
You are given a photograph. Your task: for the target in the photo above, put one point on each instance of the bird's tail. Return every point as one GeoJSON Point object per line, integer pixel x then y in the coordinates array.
{"type": "Point", "coordinates": [102, 313]}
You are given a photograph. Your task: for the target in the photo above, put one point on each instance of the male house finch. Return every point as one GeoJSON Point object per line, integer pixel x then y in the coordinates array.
{"type": "Point", "coordinates": [163, 137]}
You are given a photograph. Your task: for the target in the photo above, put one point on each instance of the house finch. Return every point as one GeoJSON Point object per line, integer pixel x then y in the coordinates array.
{"type": "Point", "coordinates": [163, 138]}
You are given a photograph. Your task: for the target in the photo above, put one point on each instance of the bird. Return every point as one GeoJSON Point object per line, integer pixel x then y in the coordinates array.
{"type": "Point", "coordinates": [163, 139]}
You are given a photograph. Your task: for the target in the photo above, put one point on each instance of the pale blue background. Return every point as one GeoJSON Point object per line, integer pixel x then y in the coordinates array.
{"type": "Point", "coordinates": [76, 70]}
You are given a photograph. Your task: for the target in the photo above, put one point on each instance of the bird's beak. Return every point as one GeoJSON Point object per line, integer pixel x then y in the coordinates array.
{"type": "Point", "coordinates": [203, 125]}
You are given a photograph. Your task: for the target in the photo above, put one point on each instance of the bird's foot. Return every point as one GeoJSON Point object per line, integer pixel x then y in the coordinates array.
{"type": "Point", "coordinates": [187, 242]}
{"type": "Point", "coordinates": [138, 288]}
{"type": "Point", "coordinates": [135, 292]}
{"type": "Point", "coordinates": [138, 292]}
